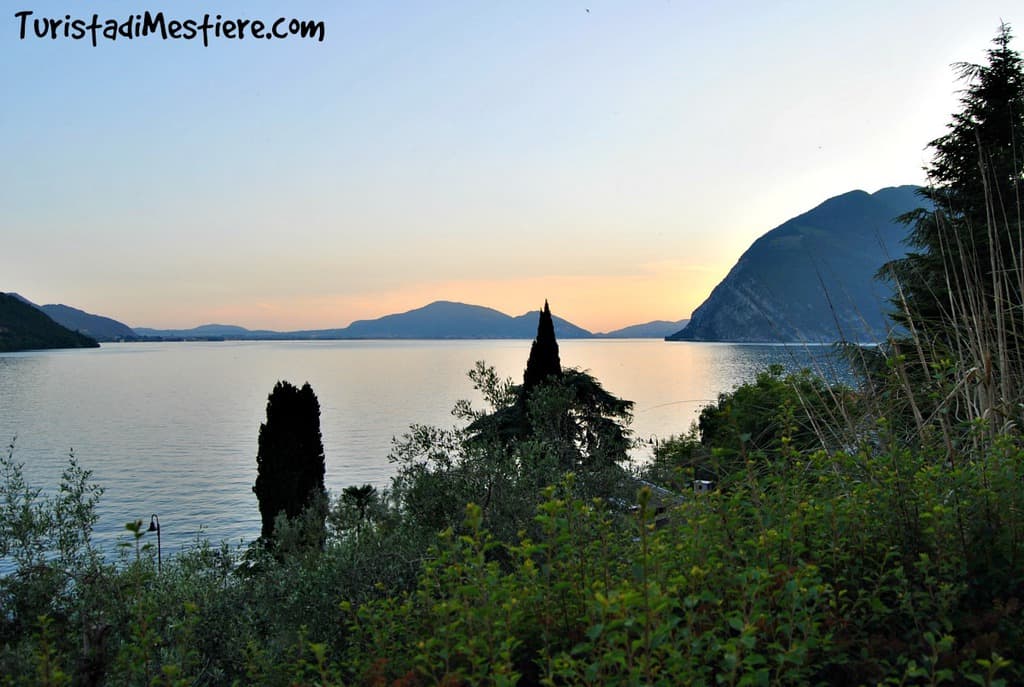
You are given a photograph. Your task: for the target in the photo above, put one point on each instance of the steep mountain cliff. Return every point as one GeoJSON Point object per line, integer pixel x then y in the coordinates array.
{"type": "Point", "coordinates": [811, 279]}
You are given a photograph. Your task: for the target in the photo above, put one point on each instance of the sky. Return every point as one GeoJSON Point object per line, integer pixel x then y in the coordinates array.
{"type": "Point", "coordinates": [615, 158]}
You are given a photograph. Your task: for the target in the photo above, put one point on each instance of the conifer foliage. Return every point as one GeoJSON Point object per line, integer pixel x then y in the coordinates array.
{"type": "Point", "coordinates": [959, 292]}
{"type": "Point", "coordinates": [290, 460]}
{"type": "Point", "coordinates": [562, 418]}
{"type": "Point", "coordinates": [543, 362]}
{"type": "Point", "coordinates": [967, 245]}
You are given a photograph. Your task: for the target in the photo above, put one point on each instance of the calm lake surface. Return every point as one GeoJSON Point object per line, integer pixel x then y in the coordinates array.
{"type": "Point", "coordinates": [171, 428]}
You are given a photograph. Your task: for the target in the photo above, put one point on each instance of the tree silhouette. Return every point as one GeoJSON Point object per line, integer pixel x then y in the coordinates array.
{"type": "Point", "coordinates": [968, 243]}
{"type": "Point", "coordinates": [959, 290]}
{"type": "Point", "coordinates": [290, 463]}
{"type": "Point", "coordinates": [543, 362]}
{"type": "Point", "coordinates": [511, 422]}
{"type": "Point", "coordinates": [361, 498]}
{"type": "Point", "coordinates": [527, 437]}
{"type": "Point", "coordinates": [563, 419]}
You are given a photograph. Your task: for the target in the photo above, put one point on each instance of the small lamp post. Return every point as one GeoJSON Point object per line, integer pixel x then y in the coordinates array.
{"type": "Point", "coordinates": [154, 526]}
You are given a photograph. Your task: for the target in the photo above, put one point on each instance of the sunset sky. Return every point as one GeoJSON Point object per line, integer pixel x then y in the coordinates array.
{"type": "Point", "coordinates": [615, 158]}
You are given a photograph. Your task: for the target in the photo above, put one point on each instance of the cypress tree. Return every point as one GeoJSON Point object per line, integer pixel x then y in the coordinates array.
{"type": "Point", "coordinates": [512, 423]}
{"type": "Point", "coordinates": [290, 461]}
{"type": "Point", "coordinates": [559, 421]}
{"type": "Point", "coordinates": [543, 362]}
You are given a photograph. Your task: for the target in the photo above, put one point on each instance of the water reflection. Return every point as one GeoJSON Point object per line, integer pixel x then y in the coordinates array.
{"type": "Point", "coordinates": [172, 427]}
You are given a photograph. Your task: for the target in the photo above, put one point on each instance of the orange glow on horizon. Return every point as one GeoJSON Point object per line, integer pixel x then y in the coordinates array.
{"type": "Point", "coordinates": [596, 303]}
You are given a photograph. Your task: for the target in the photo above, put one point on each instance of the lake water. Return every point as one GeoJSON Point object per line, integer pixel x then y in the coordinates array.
{"type": "Point", "coordinates": [171, 428]}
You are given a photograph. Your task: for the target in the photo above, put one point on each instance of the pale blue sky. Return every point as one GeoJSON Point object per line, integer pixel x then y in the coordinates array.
{"type": "Point", "coordinates": [615, 161]}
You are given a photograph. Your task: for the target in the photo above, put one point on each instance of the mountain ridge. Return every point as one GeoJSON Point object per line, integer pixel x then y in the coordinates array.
{"type": "Point", "coordinates": [98, 327]}
{"type": "Point", "coordinates": [24, 327]}
{"type": "Point", "coordinates": [441, 319]}
{"type": "Point", "coordinates": [655, 329]}
{"type": "Point", "coordinates": [437, 320]}
{"type": "Point", "coordinates": [811, 279]}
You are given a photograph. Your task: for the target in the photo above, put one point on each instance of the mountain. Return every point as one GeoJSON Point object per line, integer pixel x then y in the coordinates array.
{"type": "Point", "coordinates": [95, 326]}
{"type": "Point", "coordinates": [438, 320]}
{"type": "Point", "coordinates": [449, 320]}
{"type": "Point", "coordinates": [209, 331]}
{"type": "Point", "coordinates": [24, 327]}
{"type": "Point", "coordinates": [811, 279]}
{"type": "Point", "coordinates": [526, 327]}
{"type": "Point", "coordinates": [657, 329]}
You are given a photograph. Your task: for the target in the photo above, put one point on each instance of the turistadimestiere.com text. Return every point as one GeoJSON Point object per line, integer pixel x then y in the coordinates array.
{"type": "Point", "coordinates": [205, 28]}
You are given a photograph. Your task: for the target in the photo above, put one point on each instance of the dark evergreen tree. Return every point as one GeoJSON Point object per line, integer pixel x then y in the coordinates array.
{"type": "Point", "coordinates": [290, 463]}
{"type": "Point", "coordinates": [959, 290]}
{"type": "Point", "coordinates": [968, 243]}
{"type": "Point", "coordinates": [543, 362]}
{"type": "Point", "coordinates": [557, 421]}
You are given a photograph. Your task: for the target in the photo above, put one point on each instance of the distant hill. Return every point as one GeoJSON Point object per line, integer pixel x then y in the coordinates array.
{"type": "Point", "coordinates": [23, 327]}
{"type": "Point", "coordinates": [449, 320]}
{"type": "Point", "coordinates": [209, 331]}
{"type": "Point", "coordinates": [438, 320]}
{"type": "Point", "coordinates": [657, 329]}
{"type": "Point", "coordinates": [526, 327]}
{"type": "Point", "coordinates": [95, 326]}
{"type": "Point", "coordinates": [811, 279]}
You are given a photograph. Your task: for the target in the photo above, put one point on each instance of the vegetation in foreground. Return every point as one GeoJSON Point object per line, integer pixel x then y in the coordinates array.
{"type": "Point", "coordinates": [853, 536]}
